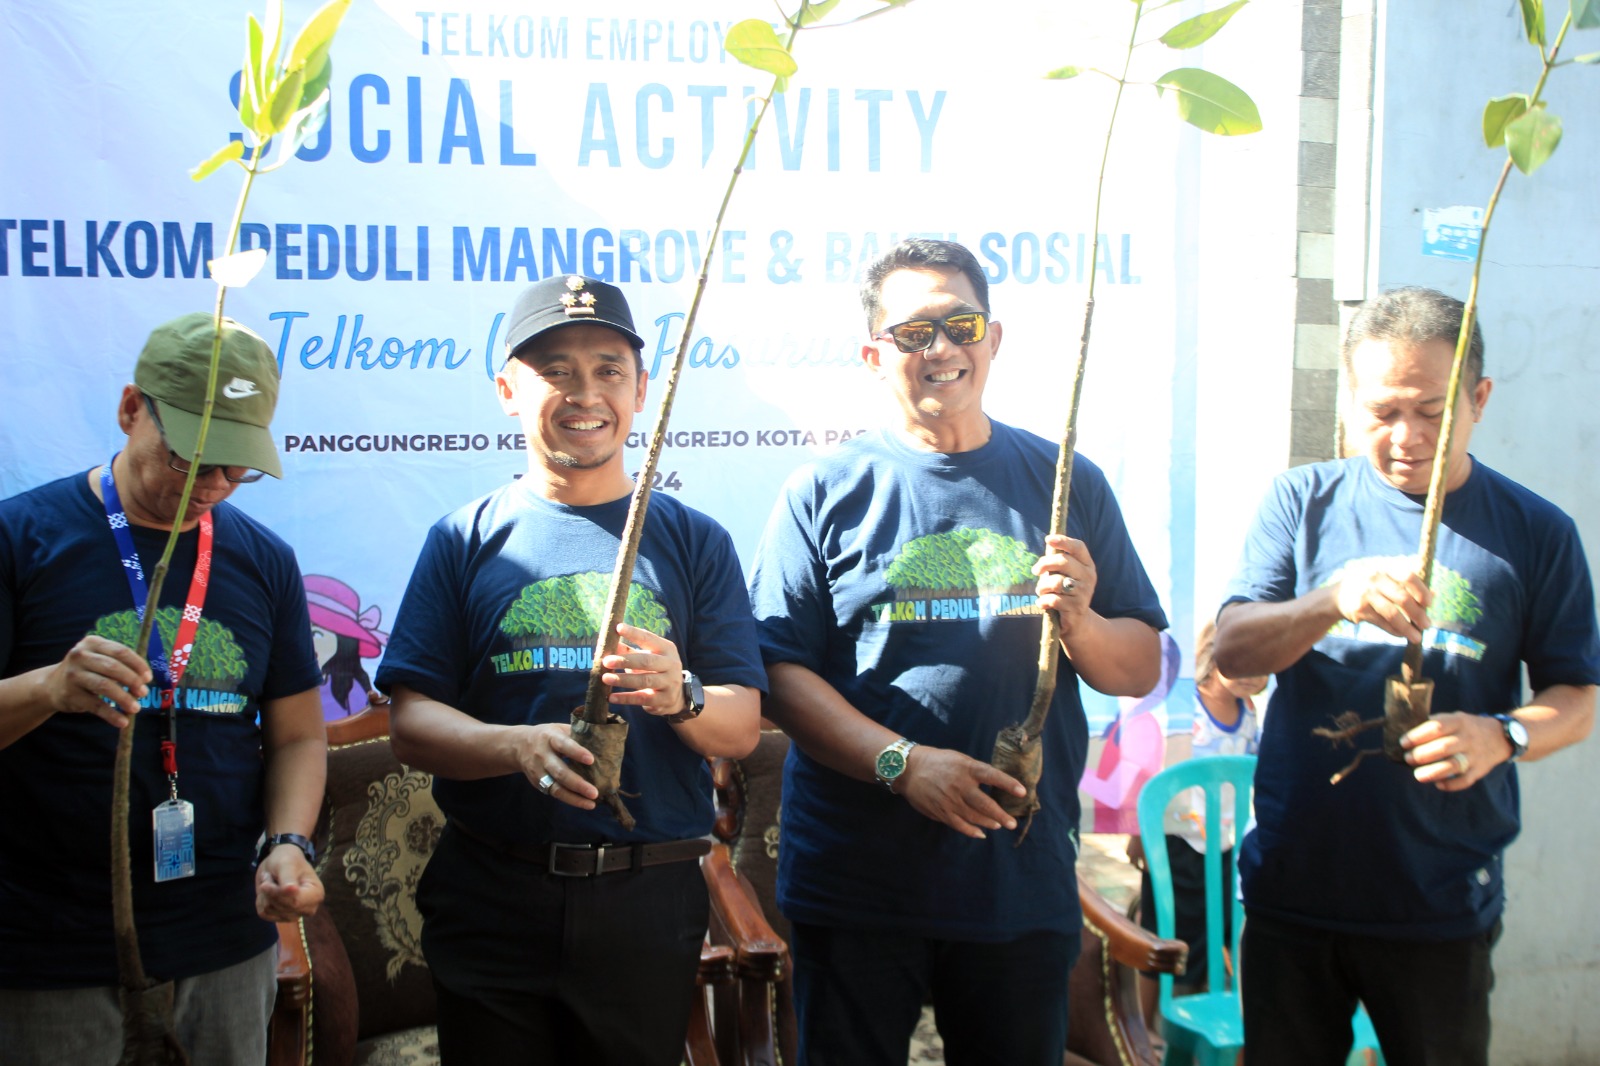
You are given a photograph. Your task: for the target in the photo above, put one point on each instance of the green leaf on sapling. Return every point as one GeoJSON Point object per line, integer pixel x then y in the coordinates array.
{"type": "Point", "coordinates": [1211, 102]}
{"type": "Point", "coordinates": [285, 101]}
{"type": "Point", "coordinates": [316, 35]}
{"type": "Point", "coordinates": [1533, 21]}
{"type": "Point", "coordinates": [1500, 113]}
{"type": "Point", "coordinates": [226, 154]}
{"type": "Point", "coordinates": [253, 82]}
{"type": "Point", "coordinates": [318, 73]}
{"type": "Point", "coordinates": [1193, 32]}
{"type": "Point", "coordinates": [753, 43]}
{"type": "Point", "coordinates": [1532, 139]}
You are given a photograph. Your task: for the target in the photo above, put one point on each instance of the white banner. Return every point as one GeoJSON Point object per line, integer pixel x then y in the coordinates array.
{"type": "Point", "coordinates": [475, 148]}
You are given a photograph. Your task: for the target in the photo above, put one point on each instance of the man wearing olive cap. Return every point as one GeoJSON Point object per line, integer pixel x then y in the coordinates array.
{"type": "Point", "coordinates": [228, 762]}
{"type": "Point", "coordinates": [553, 934]}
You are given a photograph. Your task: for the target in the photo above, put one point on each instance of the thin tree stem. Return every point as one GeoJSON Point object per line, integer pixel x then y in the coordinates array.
{"type": "Point", "coordinates": [1411, 667]}
{"type": "Point", "coordinates": [1050, 633]}
{"type": "Point", "coordinates": [129, 963]}
{"type": "Point", "coordinates": [596, 704]}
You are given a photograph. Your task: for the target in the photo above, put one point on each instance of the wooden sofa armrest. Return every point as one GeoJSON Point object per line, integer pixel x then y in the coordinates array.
{"type": "Point", "coordinates": [369, 723]}
{"type": "Point", "coordinates": [716, 970]}
{"type": "Point", "coordinates": [759, 952]}
{"type": "Point", "coordinates": [716, 964]}
{"type": "Point", "coordinates": [289, 1031]}
{"type": "Point", "coordinates": [1130, 943]}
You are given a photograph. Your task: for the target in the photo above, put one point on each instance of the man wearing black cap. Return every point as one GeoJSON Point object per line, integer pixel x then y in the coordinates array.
{"type": "Point", "coordinates": [553, 934]}
{"type": "Point", "coordinates": [230, 746]}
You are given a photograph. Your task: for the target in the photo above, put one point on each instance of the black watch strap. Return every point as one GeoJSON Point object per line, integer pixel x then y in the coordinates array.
{"type": "Point", "coordinates": [1516, 735]}
{"type": "Point", "coordinates": [694, 698]}
{"type": "Point", "coordinates": [296, 839]}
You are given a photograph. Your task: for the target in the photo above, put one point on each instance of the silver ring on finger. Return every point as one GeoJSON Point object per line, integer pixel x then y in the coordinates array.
{"type": "Point", "coordinates": [1461, 762]}
{"type": "Point", "coordinates": [547, 784]}
{"type": "Point", "coordinates": [1067, 585]}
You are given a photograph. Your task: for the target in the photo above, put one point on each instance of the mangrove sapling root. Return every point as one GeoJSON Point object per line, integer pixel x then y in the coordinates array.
{"type": "Point", "coordinates": [1021, 756]}
{"type": "Point", "coordinates": [1405, 706]}
{"type": "Point", "coordinates": [605, 741]}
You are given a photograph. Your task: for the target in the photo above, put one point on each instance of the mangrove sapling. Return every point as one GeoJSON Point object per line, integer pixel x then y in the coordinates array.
{"type": "Point", "coordinates": [595, 725]}
{"type": "Point", "coordinates": [1212, 104]}
{"type": "Point", "coordinates": [1530, 134]}
{"type": "Point", "coordinates": [286, 99]}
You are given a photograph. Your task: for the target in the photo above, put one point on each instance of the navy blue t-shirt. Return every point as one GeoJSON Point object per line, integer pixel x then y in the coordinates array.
{"type": "Point", "coordinates": [901, 577]}
{"type": "Point", "coordinates": [500, 620]}
{"type": "Point", "coordinates": [1382, 854]}
{"type": "Point", "coordinates": [61, 577]}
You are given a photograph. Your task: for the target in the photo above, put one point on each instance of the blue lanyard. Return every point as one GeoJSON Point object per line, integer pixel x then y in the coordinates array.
{"type": "Point", "coordinates": [164, 674]}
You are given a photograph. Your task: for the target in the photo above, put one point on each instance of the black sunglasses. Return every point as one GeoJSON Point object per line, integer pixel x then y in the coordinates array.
{"type": "Point", "coordinates": [238, 475]}
{"type": "Point", "coordinates": [917, 335]}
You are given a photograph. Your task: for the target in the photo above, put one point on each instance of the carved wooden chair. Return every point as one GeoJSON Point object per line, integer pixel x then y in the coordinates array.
{"type": "Point", "coordinates": [754, 1017]}
{"type": "Point", "coordinates": [352, 983]}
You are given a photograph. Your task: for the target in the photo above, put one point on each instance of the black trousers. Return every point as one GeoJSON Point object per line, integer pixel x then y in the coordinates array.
{"type": "Point", "coordinates": [1428, 1000]}
{"type": "Point", "coordinates": [858, 995]}
{"type": "Point", "coordinates": [533, 968]}
{"type": "Point", "coordinates": [1189, 909]}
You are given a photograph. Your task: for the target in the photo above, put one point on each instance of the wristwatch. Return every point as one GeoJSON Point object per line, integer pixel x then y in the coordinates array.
{"type": "Point", "coordinates": [1516, 735]}
{"type": "Point", "coordinates": [891, 762]}
{"type": "Point", "coordinates": [296, 839]}
{"type": "Point", "coordinates": [694, 695]}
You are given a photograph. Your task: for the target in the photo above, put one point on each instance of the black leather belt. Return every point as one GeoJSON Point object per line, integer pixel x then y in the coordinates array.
{"type": "Point", "coordinates": [592, 860]}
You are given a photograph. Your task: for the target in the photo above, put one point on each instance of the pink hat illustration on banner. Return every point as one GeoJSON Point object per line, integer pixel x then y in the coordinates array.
{"type": "Point", "coordinates": [342, 635]}
{"type": "Point", "coordinates": [336, 608]}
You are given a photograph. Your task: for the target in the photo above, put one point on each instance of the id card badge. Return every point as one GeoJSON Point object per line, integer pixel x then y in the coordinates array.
{"type": "Point", "coordinates": [174, 824]}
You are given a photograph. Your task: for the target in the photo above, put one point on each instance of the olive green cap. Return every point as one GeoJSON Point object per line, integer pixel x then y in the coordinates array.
{"type": "Point", "coordinates": [173, 370]}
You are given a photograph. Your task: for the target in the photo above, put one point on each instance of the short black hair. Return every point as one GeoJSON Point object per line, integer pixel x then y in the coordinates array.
{"type": "Point", "coordinates": [919, 253]}
{"type": "Point", "coordinates": [1414, 315]}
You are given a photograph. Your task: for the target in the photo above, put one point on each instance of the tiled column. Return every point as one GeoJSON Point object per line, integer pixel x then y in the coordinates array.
{"type": "Point", "coordinates": [1316, 343]}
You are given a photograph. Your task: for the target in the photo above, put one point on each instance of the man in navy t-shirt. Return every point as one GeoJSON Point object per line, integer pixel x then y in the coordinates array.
{"type": "Point", "coordinates": [248, 753]}
{"type": "Point", "coordinates": [1388, 888]}
{"type": "Point", "coordinates": [898, 589]}
{"type": "Point", "coordinates": [555, 935]}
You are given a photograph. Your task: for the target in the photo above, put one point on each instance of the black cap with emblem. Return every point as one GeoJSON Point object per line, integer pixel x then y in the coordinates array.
{"type": "Point", "coordinates": [568, 301]}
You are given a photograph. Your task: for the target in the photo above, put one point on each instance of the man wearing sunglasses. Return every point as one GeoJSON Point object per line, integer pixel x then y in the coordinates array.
{"type": "Point", "coordinates": [229, 755]}
{"type": "Point", "coordinates": [897, 590]}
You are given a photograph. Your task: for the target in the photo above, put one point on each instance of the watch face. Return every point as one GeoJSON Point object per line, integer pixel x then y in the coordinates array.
{"type": "Point", "coordinates": [1518, 734]}
{"type": "Point", "coordinates": [891, 763]}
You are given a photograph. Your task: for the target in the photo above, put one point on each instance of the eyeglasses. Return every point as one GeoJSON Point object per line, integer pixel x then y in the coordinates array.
{"type": "Point", "coordinates": [917, 335]}
{"type": "Point", "coordinates": [238, 475]}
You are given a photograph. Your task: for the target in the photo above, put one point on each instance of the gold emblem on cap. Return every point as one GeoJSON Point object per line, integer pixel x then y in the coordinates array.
{"type": "Point", "coordinates": [577, 302]}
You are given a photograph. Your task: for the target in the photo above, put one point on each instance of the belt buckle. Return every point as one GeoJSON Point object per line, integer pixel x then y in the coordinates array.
{"type": "Point", "coordinates": [599, 853]}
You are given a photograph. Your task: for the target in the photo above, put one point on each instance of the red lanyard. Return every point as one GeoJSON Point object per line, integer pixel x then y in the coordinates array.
{"type": "Point", "coordinates": [166, 675]}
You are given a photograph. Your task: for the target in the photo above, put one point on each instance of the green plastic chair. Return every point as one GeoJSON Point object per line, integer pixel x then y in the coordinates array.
{"type": "Point", "coordinates": [1208, 1028]}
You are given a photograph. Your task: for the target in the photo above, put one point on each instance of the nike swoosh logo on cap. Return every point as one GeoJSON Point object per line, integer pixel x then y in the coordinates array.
{"type": "Point", "coordinates": [239, 388]}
